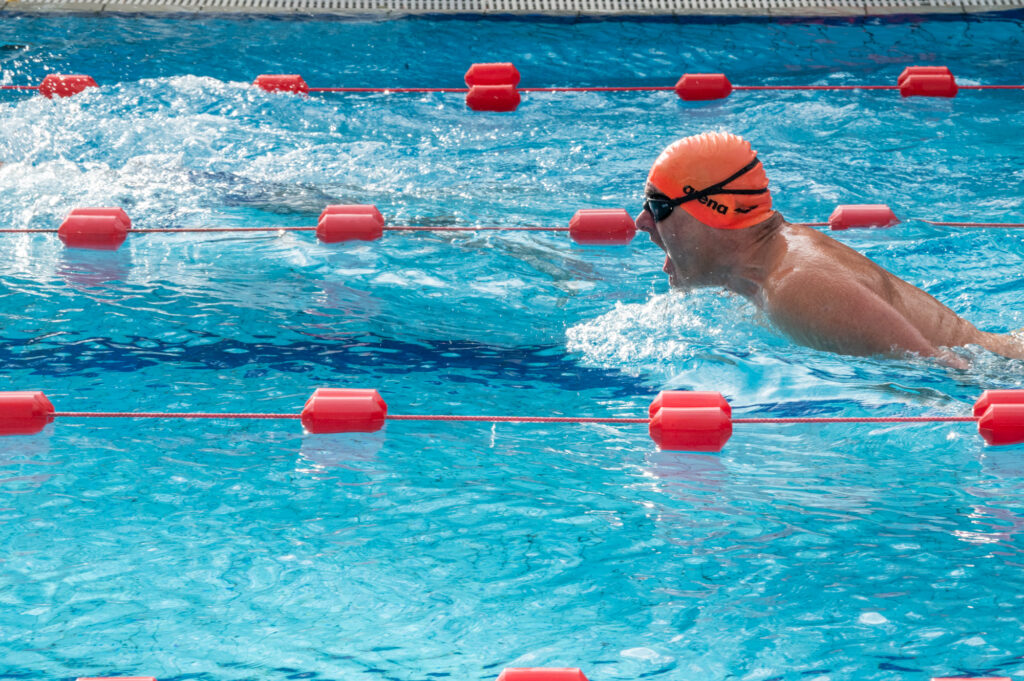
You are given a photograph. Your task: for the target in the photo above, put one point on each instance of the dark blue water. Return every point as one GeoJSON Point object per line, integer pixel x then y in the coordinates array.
{"type": "Point", "coordinates": [245, 550]}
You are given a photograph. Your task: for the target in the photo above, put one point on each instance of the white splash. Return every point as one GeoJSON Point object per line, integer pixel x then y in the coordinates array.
{"type": "Point", "coordinates": [668, 329]}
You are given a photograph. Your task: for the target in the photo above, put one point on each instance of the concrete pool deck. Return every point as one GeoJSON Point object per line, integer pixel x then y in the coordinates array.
{"type": "Point", "coordinates": [563, 8]}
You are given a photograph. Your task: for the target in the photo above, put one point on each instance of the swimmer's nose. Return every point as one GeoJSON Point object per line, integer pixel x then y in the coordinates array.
{"type": "Point", "coordinates": [645, 221]}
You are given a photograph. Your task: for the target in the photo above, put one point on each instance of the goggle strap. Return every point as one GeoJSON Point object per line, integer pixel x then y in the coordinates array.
{"type": "Point", "coordinates": [719, 187]}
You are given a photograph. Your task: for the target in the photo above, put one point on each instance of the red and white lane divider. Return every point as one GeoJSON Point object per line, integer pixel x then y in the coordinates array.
{"type": "Point", "coordinates": [699, 421]}
{"type": "Point", "coordinates": [495, 86]}
{"type": "Point", "coordinates": [107, 228]}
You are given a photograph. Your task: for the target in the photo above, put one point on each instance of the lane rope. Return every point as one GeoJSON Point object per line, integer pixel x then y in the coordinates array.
{"type": "Point", "coordinates": [454, 228]}
{"type": "Point", "coordinates": [994, 225]}
{"type": "Point", "coordinates": [495, 87]}
{"type": "Point", "coordinates": [481, 418]}
{"type": "Point", "coordinates": [386, 228]}
{"type": "Point", "coordinates": [676, 420]}
{"type": "Point", "coordinates": [597, 88]}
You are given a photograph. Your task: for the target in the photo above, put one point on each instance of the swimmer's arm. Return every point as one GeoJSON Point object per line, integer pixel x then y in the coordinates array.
{"type": "Point", "coordinates": [841, 315]}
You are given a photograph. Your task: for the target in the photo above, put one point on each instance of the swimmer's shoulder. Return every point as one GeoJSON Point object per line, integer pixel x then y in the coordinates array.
{"type": "Point", "coordinates": [838, 313]}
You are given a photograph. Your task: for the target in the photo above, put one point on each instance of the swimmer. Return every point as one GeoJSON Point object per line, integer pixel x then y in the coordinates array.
{"type": "Point", "coordinates": [707, 205]}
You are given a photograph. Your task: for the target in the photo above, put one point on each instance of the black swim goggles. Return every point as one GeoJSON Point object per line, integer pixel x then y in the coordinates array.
{"type": "Point", "coordinates": [661, 208]}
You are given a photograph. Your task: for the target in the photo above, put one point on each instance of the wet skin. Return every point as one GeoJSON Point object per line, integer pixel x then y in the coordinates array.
{"type": "Point", "coordinates": [818, 291]}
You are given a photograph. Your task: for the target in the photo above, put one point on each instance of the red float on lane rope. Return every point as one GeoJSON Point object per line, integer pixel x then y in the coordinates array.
{"type": "Point", "coordinates": [113, 211]}
{"type": "Point", "coordinates": [115, 678]}
{"type": "Point", "coordinates": [929, 86]}
{"type": "Point", "coordinates": [542, 674]}
{"type": "Point", "coordinates": [337, 227]}
{"type": "Point", "coordinates": [1002, 424]}
{"type": "Point", "coordinates": [103, 229]}
{"type": "Point", "coordinates": [350, 222]}
{"type": "Point", "coordinates": [602, 226]}
{"type": "Point", "coordinates": [492, 87]}
{"type": "Point", "coordinates": [696, 421]}
{"type": "Point", "coordinates": [498, 98]}
{"type": "Point", "coordinates": [353, 209]}
{"type": "Point", "coordinates": [691, 430]}
{"type": "Point", "coordinates": [56, 85]}
{"type": "Point", "coordinates": [289, 82]}
{"type": "Point", "coordinates": [697, 87]}
{"type": "Point", "coordinates": [24, 412]}
{"type": "Point", "coordinates": [990, 397]}
{"type": "Point", "coordinates": [927, 81]}
{"type": "Point", "coordinates": [500, 73]}
{"type": "Point", "coordinates": [1000, 415]}
{"type": "Point", "coordinates": [680, 399]}
{"type": "Point", "coordinates": [923, 71]}
{"type": "Point", "coordinates": [862, 215]}
{"type": "Point", "coordinates": [339, 410]}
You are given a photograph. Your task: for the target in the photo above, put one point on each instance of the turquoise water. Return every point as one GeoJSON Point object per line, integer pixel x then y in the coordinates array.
{"type": "Point", "coordinates": [244, 550]}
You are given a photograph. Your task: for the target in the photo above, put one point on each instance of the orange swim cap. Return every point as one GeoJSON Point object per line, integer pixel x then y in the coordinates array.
{"type": "Point", "coordinates": [715, 165]}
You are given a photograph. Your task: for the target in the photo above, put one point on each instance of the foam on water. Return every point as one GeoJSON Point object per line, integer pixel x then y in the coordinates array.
{"type": "Point", "coordinates": [665, 327]}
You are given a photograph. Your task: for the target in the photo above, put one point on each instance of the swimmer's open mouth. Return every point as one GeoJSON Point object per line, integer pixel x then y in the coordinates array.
{"type": "Point", "coordinates": [670, 270]}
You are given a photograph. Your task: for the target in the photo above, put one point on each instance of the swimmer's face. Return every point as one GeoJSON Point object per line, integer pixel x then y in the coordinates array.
{"type": "Point", "coordinates": [669, 235]}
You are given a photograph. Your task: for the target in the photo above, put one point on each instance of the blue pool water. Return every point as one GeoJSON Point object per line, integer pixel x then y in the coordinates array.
{"type": "Point", "coordinates": [228, 550]}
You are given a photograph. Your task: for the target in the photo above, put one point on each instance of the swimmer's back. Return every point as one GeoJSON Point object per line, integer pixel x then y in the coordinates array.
{"type": "Point", "coordinates": [876, 310]}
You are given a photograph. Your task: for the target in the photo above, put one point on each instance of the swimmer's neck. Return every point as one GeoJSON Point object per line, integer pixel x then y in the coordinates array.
{"type": "Point", "coordinates": [753, 257]}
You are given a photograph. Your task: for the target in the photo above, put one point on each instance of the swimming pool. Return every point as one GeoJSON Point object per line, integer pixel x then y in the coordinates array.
{"type": "Point", "coordinates": [231, 550]}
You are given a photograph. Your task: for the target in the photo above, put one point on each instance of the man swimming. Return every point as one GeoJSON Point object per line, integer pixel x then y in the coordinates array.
{"type": "Point", "coordinates": [707, 205]}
